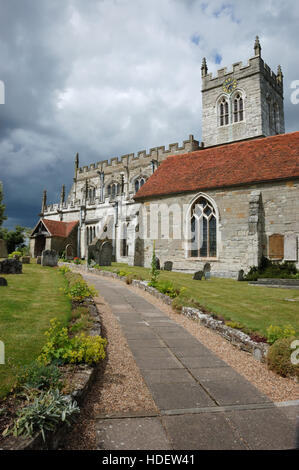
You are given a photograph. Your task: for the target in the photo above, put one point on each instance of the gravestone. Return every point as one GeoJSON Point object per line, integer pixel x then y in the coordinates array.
{"type": "Point", "coordinates": [3, 281]}
{"type": "Point", "coordinates": [276, 246]}
{"type": "Point", "coordinates": [168, 265]}
{"type": "Point", "coordinates": [241, 275]}
{"type": "Point", "coordinates": [290, 247]}
{"type": "Point", "coordinates": [198, 275]}
{"type": "Point", "coordinates": [3, 249]}
{"type": "Point", "coordinates": [69, 252]}
{"type": "Point", "coordinates": [10, 266]}
{"type": "Point", "coordinates": [105, 255]}
{"type": "Point", "coordinates": [25, 260]}
{"type": "Point", "coordinates": [49, 258]}
{"type": "Point", "coordinates": [207, 271]}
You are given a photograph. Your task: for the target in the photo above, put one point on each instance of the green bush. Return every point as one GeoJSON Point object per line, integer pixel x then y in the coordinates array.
{"type": "Point", "coordinates": [43, 414]}
{"type": "Point", "coordinates": [167, 288]}
{"type": "Point", "coordinates": [40, 376]}
{"type": "Point", "coordinates": [79, 291]}
{"type": "Point", "coordinates": [277, 332]}
{"type": "Point", "coordinates": [270, 269]}
{"type": "Point", "coordinates": [279, 358]}
{"type": "Point", "coordinates": [64, 269]}
{"type": "Point", "coordinates": [64, 349]}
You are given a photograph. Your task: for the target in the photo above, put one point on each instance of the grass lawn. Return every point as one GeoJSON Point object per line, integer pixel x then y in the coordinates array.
{"type": "Point", "coordinates": [27, 304]}
{"type": "Point", "coordinates": [254, 307]}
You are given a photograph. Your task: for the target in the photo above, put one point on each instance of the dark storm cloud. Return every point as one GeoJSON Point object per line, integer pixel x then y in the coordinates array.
{"type": "Point", "coordinates": [106, 78]}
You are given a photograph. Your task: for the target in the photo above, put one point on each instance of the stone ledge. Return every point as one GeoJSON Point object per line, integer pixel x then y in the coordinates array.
{"type": "Point", "coordinates": [235, 337]}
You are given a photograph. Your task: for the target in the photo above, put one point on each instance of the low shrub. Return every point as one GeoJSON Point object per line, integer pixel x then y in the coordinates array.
{"type": "Point", "coordinates": [40, 376]}
{"type": "Point", "coordinates": [279, 358]}
{"type": "Point", "coordinates": [79, 290]}
{"type": "Point", "coordinates": [275, 332]}
{"type": "Point", "coordinates": [77, 260]}
{"type": "Point", "coordinates": [43, 414]}
{"type": "Point", "coordinates": [79, 311]}
{"type": "Point", "coordinates": [64, 349]}
{"type": "Point", "coordinates": [270, 269]}
{"type": "Point", "coordinates": [234, 324]}
{"type": "Point", "coordinates": [167, 288]}
{"type": "Point", "coordinates": [64, 269]}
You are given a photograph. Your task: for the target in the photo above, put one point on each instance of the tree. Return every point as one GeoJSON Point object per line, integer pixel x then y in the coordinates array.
{"type": "Point", "coordinates": [2, 206]}
{"type": "Point", "coordinates": [15, 238]}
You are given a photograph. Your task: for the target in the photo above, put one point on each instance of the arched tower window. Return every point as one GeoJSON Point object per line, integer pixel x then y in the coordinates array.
{"type": "Point", "coordinates": [223, 112]}
{"type": "Point", "coordinates": [238, 108]}
{"type": "Point", "coordinates": [139, 182]}
{"type": "Point", "coordinates": [203, 226]}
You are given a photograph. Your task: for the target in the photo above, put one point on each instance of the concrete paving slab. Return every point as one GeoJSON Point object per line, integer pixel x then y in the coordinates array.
{"type": "Point", "coordinates": [194, 350]}
{"type": "Point", "coordinates": [171, 396]}
{"type": "Point", "coordinates": [132, 434]}
{"type": "Point", "coordinates": [157, 363]}
{"type": "Point", "coordinates": [202, 432]}
{"type": "Point", "coordinates": [170, 376]}
{"type": "Point", "coordinates": [264, 429]}
{"type": "Point", "coordinates": [202, 361]}
{"type": "Point", "coordinates": [136, 344]}
{"type": "Point", "coordinates": [152, 352]}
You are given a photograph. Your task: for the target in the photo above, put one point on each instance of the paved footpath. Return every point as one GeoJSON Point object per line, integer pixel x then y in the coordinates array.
{"type": "Point", "coordinates": [203, 402]}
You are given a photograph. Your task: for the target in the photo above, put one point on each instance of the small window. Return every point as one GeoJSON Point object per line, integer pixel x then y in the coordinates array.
{"type": "Point", "coordinates": [136, 185]}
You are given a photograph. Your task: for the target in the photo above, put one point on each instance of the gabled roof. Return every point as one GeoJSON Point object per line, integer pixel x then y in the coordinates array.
{"type": "Point", "coordinates": [57, 228]}
{"type": "Point", "coordinates": [239, 163]}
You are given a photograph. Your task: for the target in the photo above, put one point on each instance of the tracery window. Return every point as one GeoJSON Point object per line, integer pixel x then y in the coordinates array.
{"type": "Point", "coordinates": [203, 225]}
{"type": "Point", "coordinates": [238, 108]}
{"type": "Point", "coordinates": [223, 112]}
{"type": "Point", "coordinates": [139, 183]}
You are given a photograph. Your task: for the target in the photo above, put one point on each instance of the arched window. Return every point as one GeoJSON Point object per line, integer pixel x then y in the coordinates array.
{"type": "Point", "coordinates": [139, 182]}
{"type": "Point", "coordinates": [136, 186]}
{"type": "Point", "coordinates": [203, 226]}
{"type": "Point", "coordinates": [223, 112]}
{"type": "Point", "coordinates": [238, 108]}
{"type": "Point", "coordinates": [109, 190]}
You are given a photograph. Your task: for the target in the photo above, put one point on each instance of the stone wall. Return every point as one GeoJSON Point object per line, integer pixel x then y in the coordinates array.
{"type": "Point", "coordinates": [247, 216]}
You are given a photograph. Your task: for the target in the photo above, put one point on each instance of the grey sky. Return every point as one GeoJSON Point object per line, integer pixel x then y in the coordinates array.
{"type": "Point", "coordinates": [109, 77]}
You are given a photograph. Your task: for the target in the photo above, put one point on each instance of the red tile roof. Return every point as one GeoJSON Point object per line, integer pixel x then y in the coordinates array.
{"type": "Point", "coordinates": [57, 228]}
{"type": "Point", "coordinates": [239, 163]}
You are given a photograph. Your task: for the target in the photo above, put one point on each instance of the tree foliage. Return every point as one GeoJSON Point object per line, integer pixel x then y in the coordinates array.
{"type": "Point", "coordinates": [14, 238]}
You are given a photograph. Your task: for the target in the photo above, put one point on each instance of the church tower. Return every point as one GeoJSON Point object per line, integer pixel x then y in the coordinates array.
{"type": "Point", "coordinates": [244, 103]}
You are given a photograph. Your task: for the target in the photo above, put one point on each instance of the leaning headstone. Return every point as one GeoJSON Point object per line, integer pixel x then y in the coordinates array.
{"type": "Point", "coordinates": [198, 275]}
{"type": "Point", "coordinates": [49, 258]}
{"type": "Point", "coordinates": [3, 281]}
{"type": "Point", "coordinates": [10, 266]}
{"type": "Point", "coordinates": [38, 260]}
{"type": "Point", "coordinates": [3, 249]}
{"type": "Point", "coordinates": [25, 260]}
{"type": "Point", "coordinates": [168, 265]}
{"type": "Point", "coordinates": [240, 275]}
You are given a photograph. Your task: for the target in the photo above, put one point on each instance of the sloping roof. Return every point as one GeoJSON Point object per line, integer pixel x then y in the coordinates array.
{"type": "Point", "coordinates": [239, 163]}
{"type": "Point", "coordinates": [57, 228]}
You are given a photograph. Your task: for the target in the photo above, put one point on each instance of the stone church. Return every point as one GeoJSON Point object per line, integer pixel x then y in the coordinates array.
{"type": "Point", "coordinates": [225, 201]}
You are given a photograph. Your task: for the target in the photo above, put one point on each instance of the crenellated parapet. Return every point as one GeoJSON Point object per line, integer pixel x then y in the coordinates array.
{"type": "Point", "coordinates": [142, 158]}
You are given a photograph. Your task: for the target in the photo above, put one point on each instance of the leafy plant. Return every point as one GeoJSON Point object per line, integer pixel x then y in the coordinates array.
{"type": "Point", "coordinates": [40, 376]}
{"type": "Point", "coordinates": [80, 290]}
{"type": "Point", "coordinates": [64, 349]}
{"type": "Point", "coordinates": [167, 288]}
{"type": "Point", "coordinates": [15, 253]}
{"type": "Point", "coordinates": [269, 269]}
{"type": "Point", "coordinates": [76, 260]}
{"type": "Point", "coordinates": [43, 414]}
{"type": "Point", "coordinates": [275, 332]}
{"type": "Point", "coordinates": [64, 269]}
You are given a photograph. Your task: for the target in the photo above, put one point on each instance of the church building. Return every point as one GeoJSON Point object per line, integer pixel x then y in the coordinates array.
{"type": "Point", "coordinates": [226, 201]}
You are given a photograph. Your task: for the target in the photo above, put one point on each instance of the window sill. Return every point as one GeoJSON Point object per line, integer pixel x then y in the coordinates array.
{"type": "Point", "coordinates": [196, 258]}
